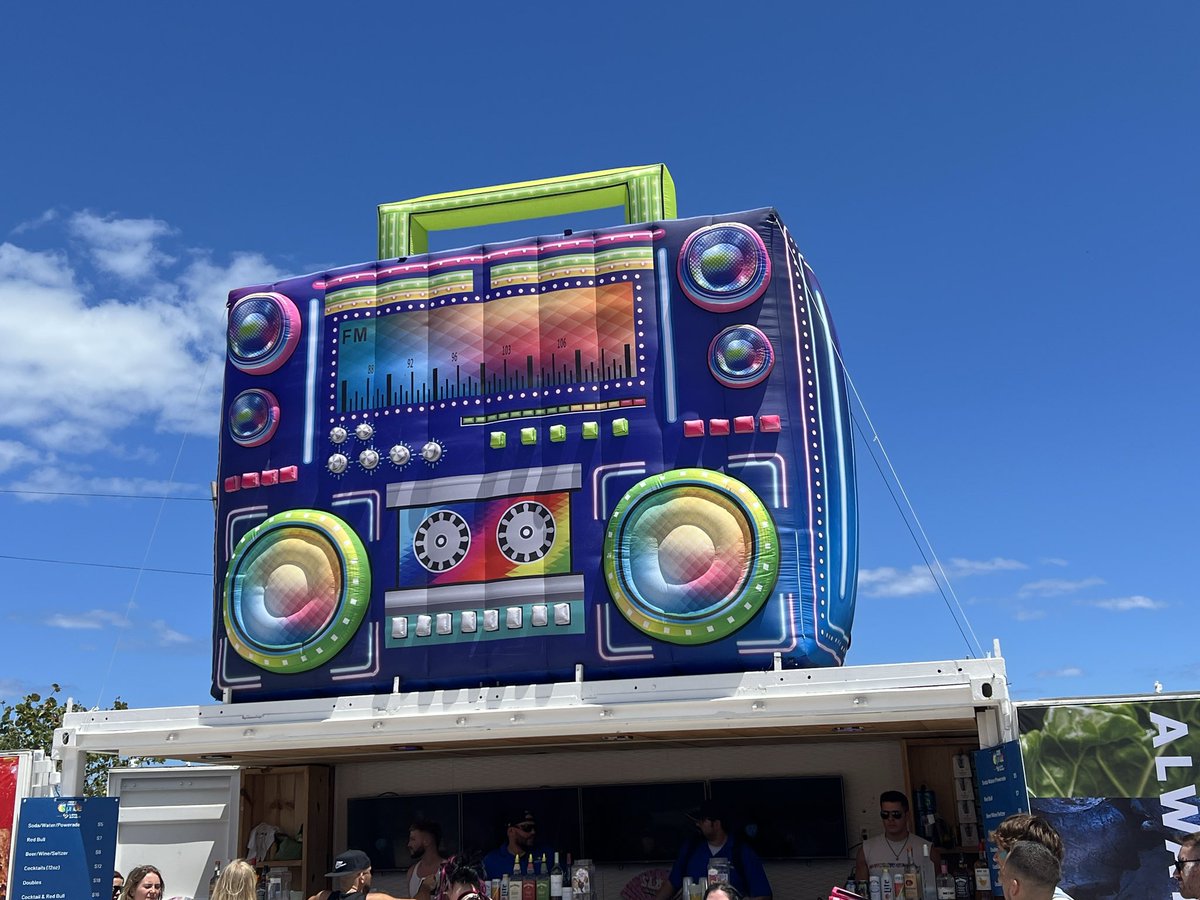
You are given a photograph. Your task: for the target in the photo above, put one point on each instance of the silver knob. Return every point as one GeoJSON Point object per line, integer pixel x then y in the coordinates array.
{"type": "Point", "coordinates": [431, 452]}
{"type": "Point", "coordinates": [368, 459]}
{"type": "Point", "coordinates": [337, 463]}
{"type": "Point", "coordinates": [400, 455]}
{"type": "Point", "coordinates": [363, 431]}
{"type": "Point", "coordinates": [338, 434]}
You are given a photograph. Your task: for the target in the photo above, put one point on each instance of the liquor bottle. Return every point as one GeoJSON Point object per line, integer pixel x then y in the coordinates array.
{"type": "Point", "coordinates": [983, 875]}
{"type": "Point", "coordinates": [962, 881]}
{"type": "Point", "coordinates": [529, 885]}
{"type": "Point", "coordinates": [945, 884]}
{"type": "Point", "coordinates": [556, 879]}
{"type": "Point", "coordinates": [212, 882]}
{"type": "Point", "coordinates": [543, 880]}
{"type": "Point", "coordinates": [514, 881]}
{"type": "Point", "coordinates": [874, 888]}
{"type": "Point", "coordinates": [505, 881]}
{"type": "Point", "coordinates": [912, 879]}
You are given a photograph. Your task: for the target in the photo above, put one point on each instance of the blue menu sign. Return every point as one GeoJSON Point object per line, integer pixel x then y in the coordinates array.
{"type": "Point", "coordinates": [65, 848]}
{"type": "Point", "coordinates": [1001, 782]}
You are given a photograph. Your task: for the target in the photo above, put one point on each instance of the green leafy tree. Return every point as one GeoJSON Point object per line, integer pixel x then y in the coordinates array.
{"type": "Point", "coordinates": [30, 724]}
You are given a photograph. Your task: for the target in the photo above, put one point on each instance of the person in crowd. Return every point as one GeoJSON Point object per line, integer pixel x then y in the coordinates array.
{"type": "Point", "coordinates": [895, 844]}
{"type": "Point", "coordinates": [424, 841]}
{"type": "Point", "coordinates": [722, 891]}
{"type": "Point", "coordinates": [237, 881]}
{"type": "Point", "coordinates": [118, 883]}
{"type": "Point", "coordinates": [1026, 827]}
{"type": "Point", "coordinates": [520, 830]}
{"type": "Point", "coordinates": [464, 881]}
{"type": "Point", "coordinates": [1187, 866]}
{"type": "Point", "coordinates": [1029, 872]}
{"type": "Point", "coordinates": [352, 879]}
{"type": "Point", "coordinates": [143, 883]}
{"type": "Point", "coordinates": [746, 873]}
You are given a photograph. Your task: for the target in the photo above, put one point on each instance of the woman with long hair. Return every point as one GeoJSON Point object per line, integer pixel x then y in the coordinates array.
{"type": "Point", "coordinates": [143, 883]}
{"type": "Point", "coordinates": [237, 881]}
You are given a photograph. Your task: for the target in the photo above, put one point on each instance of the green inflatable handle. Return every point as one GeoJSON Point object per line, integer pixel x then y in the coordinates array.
{"type": "Point", "coordinates": [646, 192]}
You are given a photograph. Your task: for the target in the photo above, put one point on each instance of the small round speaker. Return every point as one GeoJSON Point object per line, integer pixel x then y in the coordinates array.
{"type": "Point", "coordinates": [690, 555]}
{"type": "Point", "coordinates": [253, 417]}
{"type": "Point", "coordinates": [263, 331]}
{"type": "Point", "coordinates": [724, 267]}
{"type": "Point", "coordinates": [741, 356]}
{"type": "Point", "coordinates": [297, 588]}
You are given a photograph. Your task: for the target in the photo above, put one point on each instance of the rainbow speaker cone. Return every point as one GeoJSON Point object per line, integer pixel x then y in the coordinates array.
{"type": "Point", "coordinates": [723, 268]}
{"type": "Point", "coordinates": [253, 417]}
{"type": "Point", "coordinates": [263, 331]}
{"type": "Point", "coordinates": [297, 588]}
{"type": "Point", "coordinates": [690, 555]}
{"type": "Point", "coordinates": [741, 356]}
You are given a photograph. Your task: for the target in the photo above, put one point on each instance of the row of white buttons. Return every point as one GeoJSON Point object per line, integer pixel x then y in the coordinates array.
{"type": "Point", "coordinates": [443, 623]}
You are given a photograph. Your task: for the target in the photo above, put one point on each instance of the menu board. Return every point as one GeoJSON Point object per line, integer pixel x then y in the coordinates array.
{"type": "Point", "coordinates": [1002, 793]}
{"type": "Point", "coordinates": [65, 848]}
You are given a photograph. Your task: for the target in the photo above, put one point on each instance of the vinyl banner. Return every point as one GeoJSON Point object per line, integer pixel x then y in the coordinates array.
{"type": "Point", "coordinates": [66, 847]}
{"type": "Point", "coordinates": [9, 769]}
{"type": "Point", "coordinates": [1118, 781]}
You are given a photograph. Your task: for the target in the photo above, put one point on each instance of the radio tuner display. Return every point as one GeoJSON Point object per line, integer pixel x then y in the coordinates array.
{"type": "Point", "coordinates": [450, 349]}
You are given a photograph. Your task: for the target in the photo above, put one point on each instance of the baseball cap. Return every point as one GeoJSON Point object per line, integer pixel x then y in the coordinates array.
{"type": "Point", "coordinates": [519, 817]}
{"type": "Point", "coordinates": [709, 809]}
{"type": "Point", "coordinates": [349, 863]}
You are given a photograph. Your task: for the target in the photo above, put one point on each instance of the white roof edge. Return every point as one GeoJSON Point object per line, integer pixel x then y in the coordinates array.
{"type": "Point", "coordinates": [949, 689]}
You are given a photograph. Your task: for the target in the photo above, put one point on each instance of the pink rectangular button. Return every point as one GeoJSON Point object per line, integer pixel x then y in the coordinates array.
{"type": "Point", "coordinates": [693, 428]}
{"type": "Point", "coordinates": [270, 477]}
{"type": "Point", "coordinates": [288, 473]}
{"type": "Point", "coordinates": [743, 424]}
{"type": "Point", "coordinates": [232, 483]}
{"type": "Point", "coordinates": [718, 426]}
{"type": "Point", "coordinates": [250, 480]}
{"type": "Point", "coordinates": [769, 423]}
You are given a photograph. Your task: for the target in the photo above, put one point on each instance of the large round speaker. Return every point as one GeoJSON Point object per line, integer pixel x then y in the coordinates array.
{"type": "Point", "coordinates": [741, 356]}
{"type": "Point", "coordinates": [263, 331]}
{"type": "Point", "coordinates": [296, 590]}
{"type": "Point", "coordinates": [253, 417]}
{"type": "Point", "coordinates": [690, 555]}
{"type": "Point", "coordinates": [725, 267]}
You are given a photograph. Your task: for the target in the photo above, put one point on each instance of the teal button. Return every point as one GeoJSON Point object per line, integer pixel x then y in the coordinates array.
{"type": "Point", "coordinates": [620, 427]}
{"type": "Point", "coordinates": [591, 430]}
{"type": "Point", "coordinates": [498, 440]}
{"type": "Point", "coordinates": [558, 433]}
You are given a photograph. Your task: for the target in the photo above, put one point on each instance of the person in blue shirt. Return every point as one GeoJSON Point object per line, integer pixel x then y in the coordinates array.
{"type": "Point", "coordinates": [520, 835]}
{"type": "Point", "coordinates": [713, 840]}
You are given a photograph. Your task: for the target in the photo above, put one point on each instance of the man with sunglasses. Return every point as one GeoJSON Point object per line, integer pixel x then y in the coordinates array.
{"type": "Point", "coordinates": [521, 833]}
{"type": "Point", "coordinates": [895, 844]}
{"type": "Point", "coordinates": [1187, 866]}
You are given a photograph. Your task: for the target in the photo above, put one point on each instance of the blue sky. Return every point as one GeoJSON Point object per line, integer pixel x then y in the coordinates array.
{"type": "Point", "coordinates": [1000, 202]}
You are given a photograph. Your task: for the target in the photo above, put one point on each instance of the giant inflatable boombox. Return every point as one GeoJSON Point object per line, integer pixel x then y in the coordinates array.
{"type": "Point", "coordinates": [627, 449]}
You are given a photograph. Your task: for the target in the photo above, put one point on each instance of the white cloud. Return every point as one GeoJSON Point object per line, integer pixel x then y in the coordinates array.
{"type": "Point", "coordinates": [888, 581]}
{"type": "Point", "coordinates": [1029, 615]}
{"type": "Point", "coordinates": [1068, 672]}
{"type": "Point", "coordinates": [1125, 604]}
{"type": "Point", "coordinates": [1056, 587]}
{"type": "Point", "coordinates": [92, 620]}
{"type": "Point", "coordinates": [82, 372]}
{"type": "Point", "coordinates": [963, 567]}
{"type": "Point", "coordinates": [45, 218]}
{"type": "Point", "coordinates": [122, 247]}
{"type": "Point", "coordinates": [168, 635]}
{"type": "Point", "coordinates": [1055, 561]}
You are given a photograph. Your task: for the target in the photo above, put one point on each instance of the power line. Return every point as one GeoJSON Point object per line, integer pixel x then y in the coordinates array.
{"type": "Point", "coordinates": [96, 565]}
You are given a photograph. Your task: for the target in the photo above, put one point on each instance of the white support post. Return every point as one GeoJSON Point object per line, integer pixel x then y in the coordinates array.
{"type": "Point", "coordinates": [73, 761]}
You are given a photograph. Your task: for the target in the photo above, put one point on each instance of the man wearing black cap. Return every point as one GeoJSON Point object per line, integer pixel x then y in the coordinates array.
{"type": "Point", "coordinates": [746, 871]}
{"type": "Point", "coordinates": [352, 871]}
{"type": "Point", "coordinates": [521, 833]}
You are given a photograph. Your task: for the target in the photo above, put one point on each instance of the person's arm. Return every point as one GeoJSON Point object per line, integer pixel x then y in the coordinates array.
{"type": "Point", "coordinates": [674, 881]}
{"type": "Point", "coordinates": [757, 885]}
{"type": "Point", "coordinates": [935, 857]}
{"type": "Point", "coordinates": [861, 872]}
{"type": "Point", "coordinates": [323, 895]}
